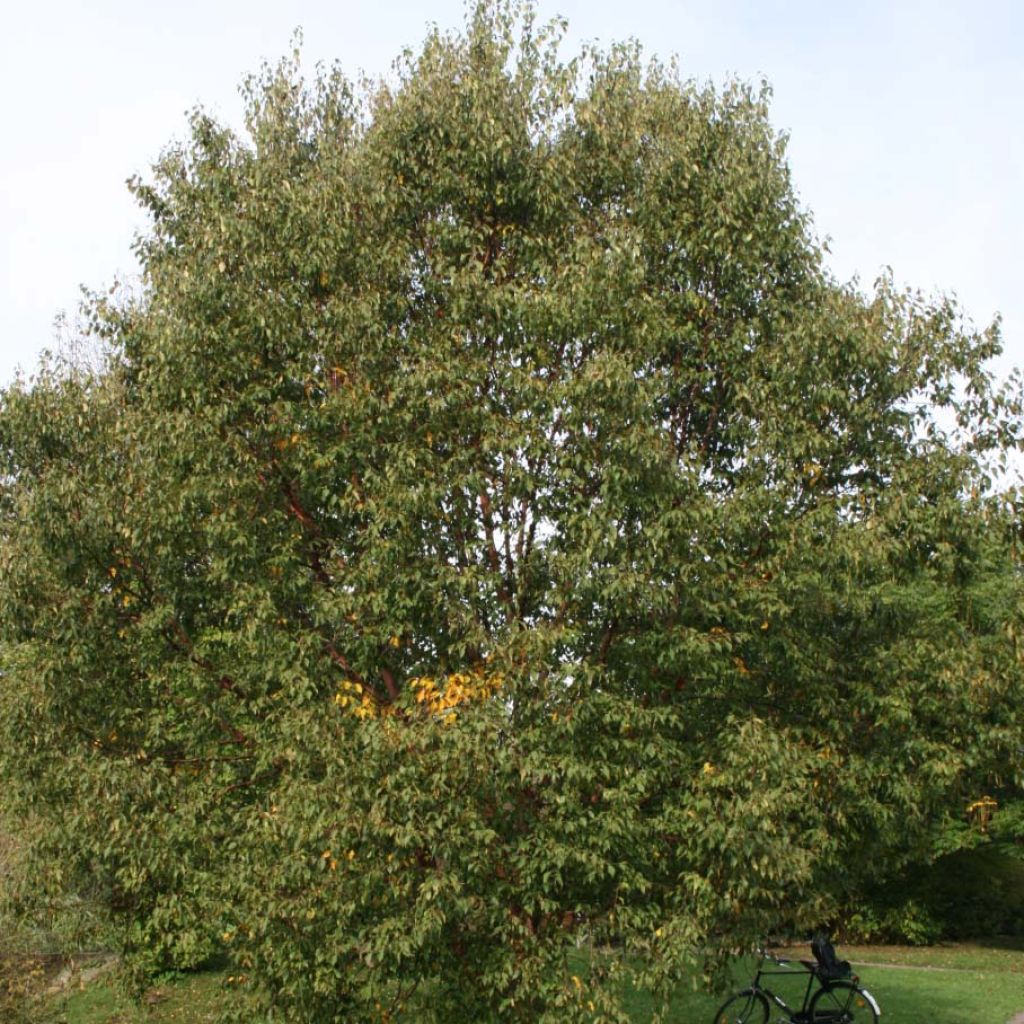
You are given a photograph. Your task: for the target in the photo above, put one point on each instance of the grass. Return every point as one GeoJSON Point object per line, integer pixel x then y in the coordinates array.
{"type": "Point", "coordinates": [198, 998]}
{"type": "Point", "coordinates": [966, 983]}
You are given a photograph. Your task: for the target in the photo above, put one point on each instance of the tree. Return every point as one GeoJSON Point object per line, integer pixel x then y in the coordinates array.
{"type": "Point", "coordinates": [493, 527]}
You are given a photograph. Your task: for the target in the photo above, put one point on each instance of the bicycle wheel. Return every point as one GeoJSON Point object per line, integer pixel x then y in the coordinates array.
{"type": "Point", "coordinates": [746, 1007]}
{"type": "Point", "coordinates": [842, 1002]}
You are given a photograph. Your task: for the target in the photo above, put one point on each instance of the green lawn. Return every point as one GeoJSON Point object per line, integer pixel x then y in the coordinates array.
{"type": "Point", "coordinates": [956, 984]}
{"type": "Point", "coordinates": [972, 983]}
{"type": "Point", "coordinates": [190, 999]}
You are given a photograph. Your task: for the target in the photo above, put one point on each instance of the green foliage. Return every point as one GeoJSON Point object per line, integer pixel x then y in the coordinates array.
{"type": "Point", "coordinates": [19, 974]}
{"type": "Point", "coordinates": [898, 919]}
{"type": "Point", "coordinates": [519, 383]}
{"type": "Point", "coordinates": [1007, 827]}
{"type": "Point", "coordinates": [970, 884]}
{"type": "Point", "coordinates": [968, 894]}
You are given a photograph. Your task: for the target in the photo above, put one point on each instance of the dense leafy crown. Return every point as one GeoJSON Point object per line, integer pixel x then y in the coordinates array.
{"type": "Point", "coordinates": [491, 529]}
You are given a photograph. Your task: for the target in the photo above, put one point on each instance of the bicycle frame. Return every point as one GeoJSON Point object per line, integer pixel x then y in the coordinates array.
{"type": "Point", "coordinates": [778, 1000]}
{"type": "Point", "coordinates": [826, 1000]}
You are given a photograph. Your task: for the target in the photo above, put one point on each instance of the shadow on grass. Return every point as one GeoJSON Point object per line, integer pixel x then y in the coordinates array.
{"type": "Point", "coordinates": [1010, 943]}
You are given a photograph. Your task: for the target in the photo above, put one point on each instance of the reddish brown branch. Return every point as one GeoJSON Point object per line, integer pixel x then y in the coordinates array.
{"type": "Point", "coordinates": [339, 659]}
{"type": "Point", "coordinates": [295, 507]}
{"type": "Point", "coordinates": [606, 642]}
{"type": "Point", "coordinates": [389, 683]}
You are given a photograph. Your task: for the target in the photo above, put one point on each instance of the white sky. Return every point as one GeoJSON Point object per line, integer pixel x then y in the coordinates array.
{"type": "Point", "coordinates": [906, 136]}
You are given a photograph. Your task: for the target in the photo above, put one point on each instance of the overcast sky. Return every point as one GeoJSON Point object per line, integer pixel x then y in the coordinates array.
{"type": "Point", "coordinates": [906, 137]}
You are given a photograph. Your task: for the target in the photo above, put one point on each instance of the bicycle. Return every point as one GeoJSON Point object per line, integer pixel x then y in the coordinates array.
{"type": "Point", "coordinates": [837, 999]}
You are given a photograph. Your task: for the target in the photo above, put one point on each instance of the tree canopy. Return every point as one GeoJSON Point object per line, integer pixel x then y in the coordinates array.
{"type": "Point", "coordinates": [494, 533]}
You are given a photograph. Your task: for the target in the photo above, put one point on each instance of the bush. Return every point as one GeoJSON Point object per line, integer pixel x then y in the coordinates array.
{"type": "Point", "coordinates": [968, 894]}
{"type": "Point", "coordinates": [22, 971]}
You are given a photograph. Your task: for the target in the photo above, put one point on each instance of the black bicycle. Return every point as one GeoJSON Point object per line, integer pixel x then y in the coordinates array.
{"type": "Point", "coordinates": [833, 994]}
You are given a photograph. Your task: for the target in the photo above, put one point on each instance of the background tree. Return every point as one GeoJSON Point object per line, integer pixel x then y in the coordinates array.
{"type": "Point", "coordinates": [493, 527]}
